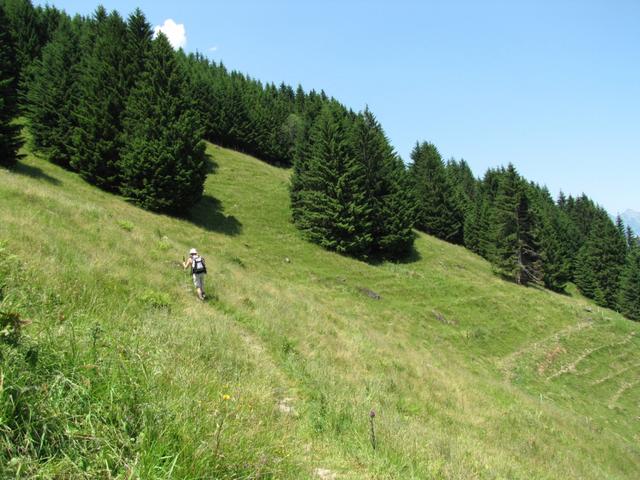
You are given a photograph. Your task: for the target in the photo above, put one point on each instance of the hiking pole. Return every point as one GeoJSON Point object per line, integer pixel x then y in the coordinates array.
{"type": "Point", "coordinates": [188, 288]}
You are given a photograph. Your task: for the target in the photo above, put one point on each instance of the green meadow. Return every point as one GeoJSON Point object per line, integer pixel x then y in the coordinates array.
{"type": "Point", "coordinates": [111, 368]}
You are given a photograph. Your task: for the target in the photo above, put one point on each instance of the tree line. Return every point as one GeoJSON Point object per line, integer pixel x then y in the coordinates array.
{"type": "Point", "coordinates": [103, 97]}
{"type": "Point", "coordinates": [529, 237]}
{"type": "Point", "coordinates": [88, 87]}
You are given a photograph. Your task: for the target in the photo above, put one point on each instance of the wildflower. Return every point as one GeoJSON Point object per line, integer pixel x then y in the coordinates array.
{"type": "Point", "coordinates": [226, 397]}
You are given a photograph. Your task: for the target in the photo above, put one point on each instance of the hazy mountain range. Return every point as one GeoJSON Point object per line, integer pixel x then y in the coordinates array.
{"type": "Point", "coordinates": [632, 218]}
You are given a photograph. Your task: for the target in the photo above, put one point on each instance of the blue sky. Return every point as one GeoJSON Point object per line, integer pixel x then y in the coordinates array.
{"type": "Point", "coordinates": [551, 86]}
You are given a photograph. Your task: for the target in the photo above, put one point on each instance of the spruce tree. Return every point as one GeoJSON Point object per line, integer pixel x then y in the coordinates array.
{"type": "Point", "coordinates": [465, 200]}
{"type": "Point", "coordinates": [584, 213]}
{"type": "Point", "coordinates": [201, 90]}
{"type": "Point", "coordinates": [102, 94]}
{"type": "Point", "coordinates": [515, 251]}
{"type": "Point", "coordinates": [621, 228]}
{"type": "Point", "coordinates": [435, 210]}
{"type": "Point", "coordinates": [386, 188]}
{"type": "Point", "coordinates": [600, 262]}
{"type": "Point", "coordinates": [629, 293]}
{"type": "Point", "coordinates": [292, 132]}
{"type": "Point", "coordinates": [329, 201]}
{"type": "Point", "coordinates": [562, 201]}
{"type": "Point", "coordinates": [138, 45]}
{"type": "Point", "coordinates": [472, 226]}
{"type": "Point", "coordinates": [478, 232]}
{"type": "Point", "coordinates": [234, 123]}
{"type": "Point", "coordinates": [163, 165]}
{"type": "Point", "coordinates": [48, 20]}
{"type": "Point", "coordinates": [555, 232]}
{"type": "Point", "coordinates": [394, 236]}
{"type": "Point", "coordinates": [50, 93]}
{"type": "Point", "coordinates": [21, 21]}
{"type": "Point", "coordinates": [9, 132]}
{"type": "Point", "coordinates": [632, 239]}
{"type": "Point", "coordinates": [349, 190]}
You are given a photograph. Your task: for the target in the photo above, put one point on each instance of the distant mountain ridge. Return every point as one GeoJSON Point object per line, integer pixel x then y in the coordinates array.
{"type": "Point", "coordinates": [632, 219]}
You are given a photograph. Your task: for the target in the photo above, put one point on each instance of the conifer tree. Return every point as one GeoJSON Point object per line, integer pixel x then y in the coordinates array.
{"type": "Point", "coordinates": [632, 239]}
{"type": "Point", "coordinates": [600, 262]}
{"type": "Point", "coordinates": [48, 20]}
{"type": "Point", "coordinates": [621, 228]}
{"type": "Point", "coordinates": [472, 226]}
{"type": "Point", "coordinates": [515, 252]}
{"type": "Point", "coordinates": [9, 132]}
{"type": "Point", "coordinates": [394, 236]}
{"type": "Point", "coordinates": [216, 119]}
{"type": "Point", "coordinates": [292, 133]}
{"type": "Point", "coordinates": [465, 199]}
{"type": "Point", "coordinates": [328, 196]}
{"type": "Point", "coordinates": [462, 178]}
{"type": "Point", "coordinates": [163, 165]}
{"type": "Point", "coordinates": [50, 93]}
{"type": "Point", "coordinates": [555, 233]}
{"type": "Point", "coordinates": [201, 90]}
{"type": "Point", "coordinates": [102, 93]}
{"type": "Point", "coordinates": [463, 183]}
{"type": "Point", "coordinates": [22, 24]}
{"type": "Point", "coordinates": [478, 234]}
{"type": "Point", "coordinates": [349, 191]}
{"type": "Point", "coordinates": [435, 210]}
{"type": "Point", "coordinates": [386, 187]}
{"type": "Point", "coordinates": [268, 116]}
{"type": "Point", "coordinates": [235, 122]}
{"type": "Point", "coordinates": [584, 212]}
{"type": "Point", "coordinates": [629, 294]}
{"type": "Point", "coordinates": [138, 45]}
{"type": "Point", "coordinates": [562, 201]}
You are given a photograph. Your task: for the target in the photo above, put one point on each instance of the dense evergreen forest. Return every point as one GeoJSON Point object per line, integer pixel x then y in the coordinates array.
{"type": "Point", "coordinates": [106, 99]}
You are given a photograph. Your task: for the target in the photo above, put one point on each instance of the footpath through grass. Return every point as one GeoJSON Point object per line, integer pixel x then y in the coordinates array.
{"type": "Point", "coordinates": [121, 373]}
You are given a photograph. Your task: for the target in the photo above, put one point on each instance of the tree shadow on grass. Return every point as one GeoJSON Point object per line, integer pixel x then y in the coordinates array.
{"type": "Point", "coordinates": [35, 172]}
{"type": "Point", "coordinates": [411, 256]}
{"type": "Point", "coordinates": [208, 213]}
{"type": "Point", "coordinates": [533, 285]}
{"type": "Point", "coordinates": [212, 166]}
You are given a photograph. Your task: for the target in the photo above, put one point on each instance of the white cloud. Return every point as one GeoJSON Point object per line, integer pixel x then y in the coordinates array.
{"type": "Point", "coordinates": [213, 49]}
{"type": "Point", "coordinates": [175, 32]}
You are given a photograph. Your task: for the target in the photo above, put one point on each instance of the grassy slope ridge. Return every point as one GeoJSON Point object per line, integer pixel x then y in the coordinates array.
{"type": "Point", "coordinates": [470, 377]}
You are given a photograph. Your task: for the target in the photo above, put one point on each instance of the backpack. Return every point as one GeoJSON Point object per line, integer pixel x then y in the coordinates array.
{"type": "Point", "coordinates": [197, 265]}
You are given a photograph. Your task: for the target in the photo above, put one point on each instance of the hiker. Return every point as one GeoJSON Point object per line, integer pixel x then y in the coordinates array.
{"type": "Point", "coordinates": [198, 269]}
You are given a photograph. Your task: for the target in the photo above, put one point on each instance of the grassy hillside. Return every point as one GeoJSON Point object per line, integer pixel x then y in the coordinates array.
{"type": "Point", "coordinates": [275, 376]}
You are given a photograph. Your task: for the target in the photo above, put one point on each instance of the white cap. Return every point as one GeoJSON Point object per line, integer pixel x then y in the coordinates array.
{"type": "Point", "coordinates": [193, 252]}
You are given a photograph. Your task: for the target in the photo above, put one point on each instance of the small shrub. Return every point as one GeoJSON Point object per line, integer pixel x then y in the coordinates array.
{"type": "Point", "coordinates": [164, 244]}
{"type": "Point", "coordinates": [238, 261]}
{"type": "Point", "coordinates": [125, 225]}
{"type": "Point", "coordinates": [480, 333]}
{"type": "Point", "coordinates": [156, 299]}
{"type": "Point", "coordinates": [248, 303]}
{"type": "Point", "coordinates": [288, 347]}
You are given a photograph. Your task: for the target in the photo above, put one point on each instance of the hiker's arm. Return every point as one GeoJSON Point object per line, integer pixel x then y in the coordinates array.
{"type": "Point", "coordinates": [187, 263]}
